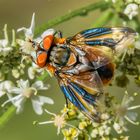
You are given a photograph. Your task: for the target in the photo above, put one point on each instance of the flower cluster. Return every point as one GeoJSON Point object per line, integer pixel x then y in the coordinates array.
{"type": "Point", "coordinates": [115, 116]}
{"type": "Point", "coordinates": [130, 8]}
{"type": "Point", "coordinates": [23, 76]}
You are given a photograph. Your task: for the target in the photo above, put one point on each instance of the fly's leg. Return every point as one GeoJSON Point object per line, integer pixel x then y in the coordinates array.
{"type": "Point", "coordinates": [83, 66]}
{"type": "Point", "coordinates": [66, 101]}
{"type": "Point", "coordinates": [59, 34]}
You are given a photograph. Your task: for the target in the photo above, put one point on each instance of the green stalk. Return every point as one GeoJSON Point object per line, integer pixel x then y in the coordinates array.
{"type": "Point", "coordinates": [7, 115]}
{"type": "Point", "coordinates": [115, 20]}
{"type": "Point", "coordinates": [79, 12]}
{"type": "Point", "coordinates": [43, 77]}
{"type": "Point", "coordinates": [103, 19]}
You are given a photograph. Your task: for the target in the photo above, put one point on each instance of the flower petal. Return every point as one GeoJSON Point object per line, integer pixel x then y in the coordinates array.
{"type": "Point", "coordinates": [47, 100]}
{"type": "Point", "coordinates": [8, 85]}
{"type": "Point", "coordinates": [37, 106]}
{"type": "Point", "coordinates": [39, 85]}
{"type": "Point", "coordinates": [29, 32]}
{"type": "Point", "coordinates": [2, 93]}
{"type": "Point", "coordinates": [23, 84]}
{"type": "Point", "coordinates": [132, 115]}
{"type": "Point", "coordinates": [3, 43]}
{"type": "Point", "coordinates": [15, 90]}
{"type": "Point", "coordinates": [12, 99]}
{"type": "Point", "coordinates": [32, 26]}
{"type": "Point", "coordinates": [31, 72]}
{"type": "Point", "coordinates": [20, 105]}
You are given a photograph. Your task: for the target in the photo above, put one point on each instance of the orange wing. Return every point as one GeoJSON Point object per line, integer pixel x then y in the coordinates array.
{"type": "Point", "coordinates": [82, 91]}
{"type": "Point", "coordinates": [114, 38]}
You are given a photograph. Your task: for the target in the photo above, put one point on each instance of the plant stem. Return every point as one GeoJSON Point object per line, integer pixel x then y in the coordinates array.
{"type": "Point", "coordinates": [43, 77]}
{"type": "Point", "coordinates": [79, 12]}
{"type": "Point", "coordinates": [103, 19]}
{"type": "Point", "coordinates": [7, 115]}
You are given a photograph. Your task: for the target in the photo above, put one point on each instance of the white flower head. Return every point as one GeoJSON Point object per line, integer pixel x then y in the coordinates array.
{"type": "Point", "coordinates": [119, 127]}
{"type": "Point", "coordinates": [26, 45]}
{"type": "Point", "coordinates": [104, 130]}
{"type": "Point", "coordinates": [94, 133]}
{"type": "Point", "coordinates": [131, 10]}
{"type": "Point", "coordinates": [124, 110]}
{"type": "Point", "coordinates": [15, 73]}
{"type": "Point", "coordinates": [33, 70]}
{"type": "Point", "coordinates": [24, 91]}
{"type": "Point", "coordinates": [5, 87]}
{"type": "Point", "coordinates": [4, 43]}
{"type": "Point", "coordinates": [59, 121]}
{"type": "Point", "coordinates": [29, 32]}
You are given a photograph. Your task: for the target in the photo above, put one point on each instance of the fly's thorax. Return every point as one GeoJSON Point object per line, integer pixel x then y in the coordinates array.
{"type": "Point", "coordinates": [59, 55]}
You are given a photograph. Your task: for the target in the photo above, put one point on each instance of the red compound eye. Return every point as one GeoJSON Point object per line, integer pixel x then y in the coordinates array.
{"type": "Point", "coordinates": [47, 42]}
{"type": "Point", "coordinates": [41, 59]}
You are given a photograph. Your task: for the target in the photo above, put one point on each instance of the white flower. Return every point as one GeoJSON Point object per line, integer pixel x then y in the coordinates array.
{"type": "Point", "coordinates": [104, 130]}
{"type": "Point", "coordinates": [18, 71]}
{"type": "Point", "coordinates": [25, 46]}
{"type": "Point", "coordinates": [94, 133]}
{"type": "Point", "coordinates": [24, 91]}
{"type": "Point", "coordinates": [131, 10]}
{"type": "Point", "coordinates": [4, 43]}
{"type": "Point", "coordinates": [124, 111]}
{"type": "Point", "coordinates": [15, 73]}
{"type": "Point", "coordinates": [33, 70]}
{"type": "Point", "coordinates": [105, 116]}
{"type": "Point", "coordinates": [5, 87]}
{"type": "Point", "coordinates": [59, 121]}
{"type": "Point", "coordinates": [119, 127]}
{"type": "Point", "coordinates": [29, 32]}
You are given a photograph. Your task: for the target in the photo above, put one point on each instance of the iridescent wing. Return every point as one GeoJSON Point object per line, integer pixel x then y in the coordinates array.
{"type": "Point", "coordinates": [85, 88]}
{"type": "Point", "coordinates": [82, 91]}
{"type": "Point", "coordinates": [101, 43]}
{"type": "Point", "coordinates": [110, 37]}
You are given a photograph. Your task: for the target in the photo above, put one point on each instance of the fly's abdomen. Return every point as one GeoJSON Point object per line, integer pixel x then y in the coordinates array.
{"type": "Point", "coordinates": [106, 73]}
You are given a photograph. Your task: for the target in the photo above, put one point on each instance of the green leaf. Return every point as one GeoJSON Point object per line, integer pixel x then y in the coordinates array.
{"type": "Point", "coordinates": [7, 115]}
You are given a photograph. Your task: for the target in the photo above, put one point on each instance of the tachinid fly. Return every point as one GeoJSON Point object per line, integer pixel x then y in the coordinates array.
{"type": "Point", "coordinates": [83, 64]}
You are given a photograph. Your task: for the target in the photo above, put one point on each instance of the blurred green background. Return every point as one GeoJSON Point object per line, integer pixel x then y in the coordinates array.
{"type": "Point", "coordinates": [17, 13]}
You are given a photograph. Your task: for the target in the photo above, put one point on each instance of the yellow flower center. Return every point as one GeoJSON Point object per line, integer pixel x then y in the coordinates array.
{"type": "Point", "coordinates": [29, 92]}
{"type": "Point", "coordinates": [59, 121]}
